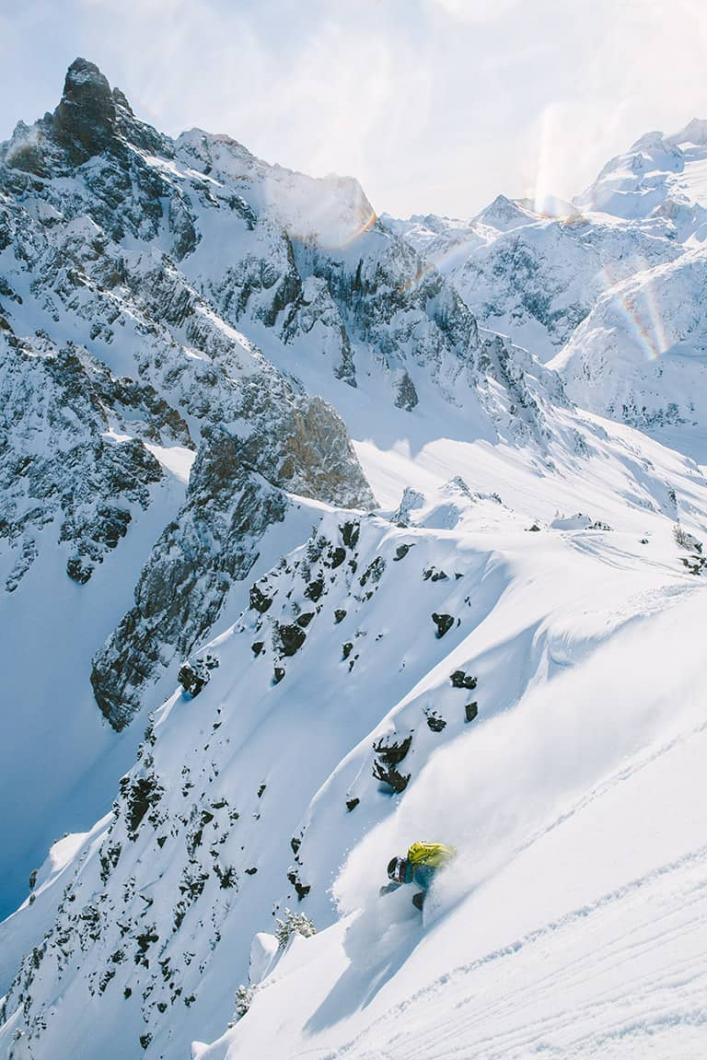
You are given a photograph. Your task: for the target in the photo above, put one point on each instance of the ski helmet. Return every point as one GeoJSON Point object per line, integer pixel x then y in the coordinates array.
{"type": "Point", "coordinates": [396, 869]}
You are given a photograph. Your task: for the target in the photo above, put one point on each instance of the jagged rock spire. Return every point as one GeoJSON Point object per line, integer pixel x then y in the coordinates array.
{"type": "Point", "coordinates": [85, 120]}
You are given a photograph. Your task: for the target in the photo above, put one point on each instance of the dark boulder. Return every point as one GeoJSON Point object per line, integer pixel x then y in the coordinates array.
{"type": "Point", "coordinates": [315, 589]}
{"type": "Point", "coordinates": [302, 889]}
{"type": "Point", "coordinates": [435, 721]}
{"type": "Point", "coordinates": [390, 753]}
{"type": "Point", "coordinates": [291, 638]}
{"type": "Point", "coordinates": [193, 677]}
{"type": "Point", "coordinates": [460, 679]}
{"type": "Point", "coordinates": [258, 600]}
{"type": "Point", "coordinates": [443, 622]}
{"type": "Point", "coordinates": [350, 533]}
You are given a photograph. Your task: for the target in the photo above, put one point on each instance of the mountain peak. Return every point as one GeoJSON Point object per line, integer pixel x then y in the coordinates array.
{"type": "Point", "coordinates": [83, 75]}
{"type": "Point", "coordinates": [695, 132]}
{"type": "Point", "coordinates": [84, 121]}
{"type": "Point", "coordinates": [504, 213]}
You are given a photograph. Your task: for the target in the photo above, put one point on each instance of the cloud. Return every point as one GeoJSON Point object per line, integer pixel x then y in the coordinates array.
{"type": "Point", "coordinates": [432, 104]}
{"type": "Point", "coordinates": [475, 10]}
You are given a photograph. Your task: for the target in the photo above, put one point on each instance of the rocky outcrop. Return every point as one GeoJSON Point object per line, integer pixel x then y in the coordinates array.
{"type": "Point", "coordinates": [73, 454]}
{"type": "Point", "coordinates": [390, 752]}
{"type": "Point", "coordinates": [91, 119]}
{"type": "Point", "coordinates": [183, 586]}
{"type": "Point", "coordinates": [85, 120]}
{"type": "Point", "coordinates": [236, 491]}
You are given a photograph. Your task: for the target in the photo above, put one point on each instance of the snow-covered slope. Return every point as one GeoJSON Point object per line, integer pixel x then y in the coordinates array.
{"type": "Point", "coordinates": [250, 796]}
{"type": "Point", "coordinates": [575, 922]}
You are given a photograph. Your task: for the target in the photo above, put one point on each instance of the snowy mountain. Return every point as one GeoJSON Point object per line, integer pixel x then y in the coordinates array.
{"type": "Point", "coordinates": [535, 277]}
{"type": "Point", "coordinates": [353, 570]}
{"type": "Point", "coordinates": [605, 290]}
{"type": "Point", "coordinates": [640, 354]}
{"type": "Point", "coordinates": [131, 267]}
{"type": "Point", "coordinates": [659, 179]}
{"type": "Point", "coordinates": [249, 797]}
{"type": "Point", "coordinates": [116, 368]}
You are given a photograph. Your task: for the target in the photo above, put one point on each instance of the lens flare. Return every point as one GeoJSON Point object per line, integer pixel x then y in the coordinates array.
{"type": "Point", "coordinates": [365, 226]}
{"type": "Point", "coordinates": [640, 310]}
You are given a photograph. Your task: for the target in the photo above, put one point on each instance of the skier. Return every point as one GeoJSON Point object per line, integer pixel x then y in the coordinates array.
{"type": "Point", "coordinates": [420, 866]}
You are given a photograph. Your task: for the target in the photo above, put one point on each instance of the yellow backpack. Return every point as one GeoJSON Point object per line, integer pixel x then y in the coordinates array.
{"type": "Point", "coordinates": [433, 854]}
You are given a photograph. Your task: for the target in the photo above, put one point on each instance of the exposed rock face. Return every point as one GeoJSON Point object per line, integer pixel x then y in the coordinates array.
{"type": "Point", "coordinates": [85, 120]}
{"type": "Point", "coordinates": [119, 245]}
{"type": "Point", "coordinates": [67, 456]}
{"type": "Point", "coordinates": [182, 588]}
{"type": "Point", "coordinates": [236, 491]}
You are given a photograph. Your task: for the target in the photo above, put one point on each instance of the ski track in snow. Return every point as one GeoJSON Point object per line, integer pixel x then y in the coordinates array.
{"type": "Point", "coordinates": [628, 1006]}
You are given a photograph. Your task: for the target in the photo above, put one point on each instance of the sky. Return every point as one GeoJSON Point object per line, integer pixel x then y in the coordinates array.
{"type": "Point", "coordinates": [435, 105]}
